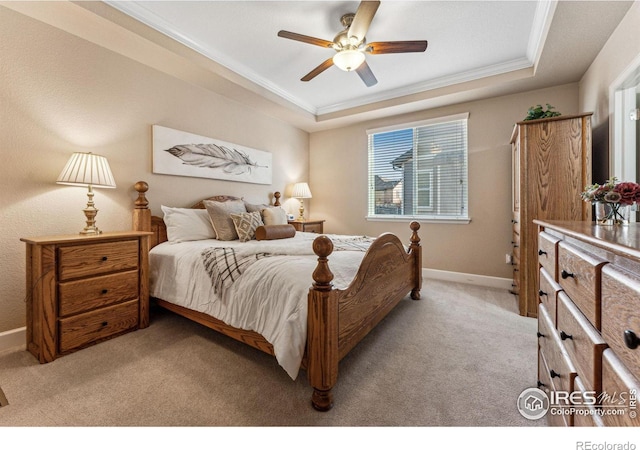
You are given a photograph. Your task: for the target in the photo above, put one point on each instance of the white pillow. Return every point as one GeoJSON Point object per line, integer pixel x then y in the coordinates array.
{"type": "Point", "coordinates": [274, 216]}
{"type": "Point", "coordinates": [186, 224]}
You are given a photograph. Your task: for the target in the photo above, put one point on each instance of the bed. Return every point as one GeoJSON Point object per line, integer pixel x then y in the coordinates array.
{"type": "Point", "coordinates": [336, 289]}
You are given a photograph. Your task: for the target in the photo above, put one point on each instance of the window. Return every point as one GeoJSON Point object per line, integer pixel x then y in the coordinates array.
{"type": "Point", "coordinates": [419, 170]}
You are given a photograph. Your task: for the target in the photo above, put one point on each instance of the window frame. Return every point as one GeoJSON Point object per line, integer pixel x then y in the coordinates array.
{"type": "Point", "coordinates": [422, 217]}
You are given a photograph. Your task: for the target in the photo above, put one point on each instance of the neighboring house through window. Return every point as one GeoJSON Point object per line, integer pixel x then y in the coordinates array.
{"type": "Point", "coordinates": [419, 170]}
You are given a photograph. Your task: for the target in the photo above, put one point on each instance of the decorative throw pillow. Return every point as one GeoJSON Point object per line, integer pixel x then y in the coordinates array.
{"type": "Point", "coordinates": [220, 215]}
{"type": "Point", "coordinates": [274, 216]}
{"type": "Point", "coordinates": [246, 224]}
{"type": "Point", "coordinates": [186, 224]}
{"type": "Point", "coordinates": [251, 207]}
{"type": "Point", "coordinates": [270, 232]}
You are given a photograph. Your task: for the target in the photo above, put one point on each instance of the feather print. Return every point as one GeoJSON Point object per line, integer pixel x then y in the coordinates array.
{"type": "Point", "coordinates": [214, 156]}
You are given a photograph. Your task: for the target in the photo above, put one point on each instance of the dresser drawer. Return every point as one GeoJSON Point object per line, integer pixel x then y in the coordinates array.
{"type": "Point", "coordinates": [547, 253]}
{"type": "Point", "coordinates": [548, 294]}
{"type": "Point", "coordinates": [90, 293]}
{"type": "Point", "coordinates": [579, 275]}
{"type": "Point", "coordinates": [622, 389]}
{"type": "Point", "coordinates": [561, 370]}
{"type": "Point", "coordinates": [587, 414]}
{"type": "Point", "coordinates": [620, 314]}
{"type": "Point", "coordinates": [544, 383]}
{"type": "Point", "coordinates": [87, 260]}
{"type": "Point", "coordinates": [82, 329]}
{"type": "Point", "coordinates": [582, 342]}
{"type": "Point", "coordinates": [516, 250]}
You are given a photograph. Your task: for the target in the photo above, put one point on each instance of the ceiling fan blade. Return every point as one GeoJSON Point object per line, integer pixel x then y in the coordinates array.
{"type": "Point", "coordinates": [366, 74]}
{"type": "Point", "coordinates": [377, 48]}
{"type": "Point", "coordinates": [318, 70]}
{"type": "Point", "coordinates": [362, 20]}
{"type": "Point", "coordinates": [305, 39]}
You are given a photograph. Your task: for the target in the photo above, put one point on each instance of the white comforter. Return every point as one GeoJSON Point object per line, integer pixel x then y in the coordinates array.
{"type": "Point", "coordinates": [270, 297]}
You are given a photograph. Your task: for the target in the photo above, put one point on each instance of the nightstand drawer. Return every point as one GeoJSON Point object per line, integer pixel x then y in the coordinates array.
{"type": "Point", "coordinates": [309, 226]}
{"type": "Point", "coordinates": [82, 329]}
{"type": "Point", "coordinates": [313, 228]}
{"type": "Point", "coordinates": [86, 294]}
{"type": "Point", "coordinates": [87, 260]}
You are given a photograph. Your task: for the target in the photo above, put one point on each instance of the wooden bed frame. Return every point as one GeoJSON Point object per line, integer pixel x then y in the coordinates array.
{"type": "Point", "coordinates": [337, 319]}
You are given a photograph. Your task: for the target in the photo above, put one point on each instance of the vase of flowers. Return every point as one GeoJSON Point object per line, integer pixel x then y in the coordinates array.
{"type": "Point", "coordinates": [613, 200]}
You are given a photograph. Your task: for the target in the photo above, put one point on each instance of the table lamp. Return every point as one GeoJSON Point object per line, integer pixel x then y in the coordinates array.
{"type": "Point", "coordinates": [301, 191]}
{"type": "Point", "coordinates": [91, 170]}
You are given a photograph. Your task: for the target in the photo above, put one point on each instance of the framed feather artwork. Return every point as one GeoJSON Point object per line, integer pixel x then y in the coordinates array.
{"type": "Point", "coordinates": [190, 155]}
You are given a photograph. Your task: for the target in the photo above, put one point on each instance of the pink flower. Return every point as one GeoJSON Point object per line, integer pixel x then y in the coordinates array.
{"type": "Point", "coordinates": [629, 192]}
{"type": "Point", "coordinates": [612, 197]}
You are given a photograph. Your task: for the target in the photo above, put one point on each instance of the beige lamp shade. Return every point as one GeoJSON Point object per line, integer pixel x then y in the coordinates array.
{"type": "Point", "coordinates": [301, 191]}
{"type": "Point", "coordinates": [88, 169]}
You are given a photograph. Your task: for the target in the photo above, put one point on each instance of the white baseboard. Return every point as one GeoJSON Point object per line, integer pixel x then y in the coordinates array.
{"type": "Point", "coordinates": [468, 278]}
{"type": "Point", "coordinates": [13, 338]}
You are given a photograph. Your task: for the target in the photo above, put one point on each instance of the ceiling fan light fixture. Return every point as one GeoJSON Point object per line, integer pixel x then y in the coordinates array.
{"type": "Point", "coordinates": [348, 60]}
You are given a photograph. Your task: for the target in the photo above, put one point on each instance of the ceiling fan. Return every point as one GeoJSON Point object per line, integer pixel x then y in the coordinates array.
{"type": "Point", "coordinates": [351, 45]}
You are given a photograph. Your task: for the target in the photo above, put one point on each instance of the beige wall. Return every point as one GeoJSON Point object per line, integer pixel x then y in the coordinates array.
{"type": "Point", "coordinates": [338, 180]}
{"type": "Point", "coordinates": [60, 94]}
{"type": "Point", "coordinates": [621, 50]}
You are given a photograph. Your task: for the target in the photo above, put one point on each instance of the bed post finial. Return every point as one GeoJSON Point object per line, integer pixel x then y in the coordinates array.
{"type": "Point", "coordinates": [322, 329]}
{"type": "Point", "coordinates": [322, 276]}
{"type": "Point", "coordinates": [141, 213]}
{"type": "Point", "coordinates": [415, 249]}
{"type": "Point", "coordinates": [141, 202]}
{"type": "Point", "coordinates": [277, 196]}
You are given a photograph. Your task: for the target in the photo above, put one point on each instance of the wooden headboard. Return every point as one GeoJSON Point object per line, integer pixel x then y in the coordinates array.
{"type": "Point", "coordinates": [144, 221]}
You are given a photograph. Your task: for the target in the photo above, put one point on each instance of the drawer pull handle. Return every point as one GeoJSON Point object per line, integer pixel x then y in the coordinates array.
{"type": "Point", "coordinates": [514, 221]}
{"type": "Point", "coordinates": [541, 252]}
{"type": "Point", "coordinates": [541, 293]}
{"type": "Point", "coordinates": [104, 324]}
{"type": "Point", "coordinates": [564, 336]}
{"type": "Point", "coordinates": [566, 274]}
{"type": "Point", "coordinates": [104, 258]}
{"type": "Point", "coordinates": [540, 334]}
{"type": "Point", "coordinates": [554, 374]}
{"type": "Point", "coordinates": [631, 340]}
{"type": "Point", "coordinates": [541, 384]}
{"type": "Point", "coordinates": [104, 291]}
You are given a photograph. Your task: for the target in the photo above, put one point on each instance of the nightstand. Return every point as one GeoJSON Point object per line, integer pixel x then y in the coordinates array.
{"type": "Point", "coordinates": [311, 226]}
{"type": "Point", "coordinates": [83, 289]}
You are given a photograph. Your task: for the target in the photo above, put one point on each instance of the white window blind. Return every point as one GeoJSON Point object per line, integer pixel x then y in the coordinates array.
{"type": "Point", "coordinates": [419, 170]}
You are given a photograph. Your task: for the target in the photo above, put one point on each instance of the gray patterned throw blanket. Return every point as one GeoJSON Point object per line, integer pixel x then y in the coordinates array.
{"type": "Point", "coordinates": [225, 265]}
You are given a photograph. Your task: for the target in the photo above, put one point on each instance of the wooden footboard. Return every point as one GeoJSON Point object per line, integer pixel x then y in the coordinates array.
{"type": "Point", "coordinates": [337, 319]}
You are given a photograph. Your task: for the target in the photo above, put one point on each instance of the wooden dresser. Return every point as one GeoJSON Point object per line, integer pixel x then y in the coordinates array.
{"type": "Point", "coordinates": [551, 162]}
{"type": "Point", "coordinates": [589, 320]}
{"type": "Point", "coordinates": [84, 289]}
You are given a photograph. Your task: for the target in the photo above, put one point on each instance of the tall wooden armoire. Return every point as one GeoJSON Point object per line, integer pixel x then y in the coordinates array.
{"type": "Point", "coordinates": [551, 161]}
